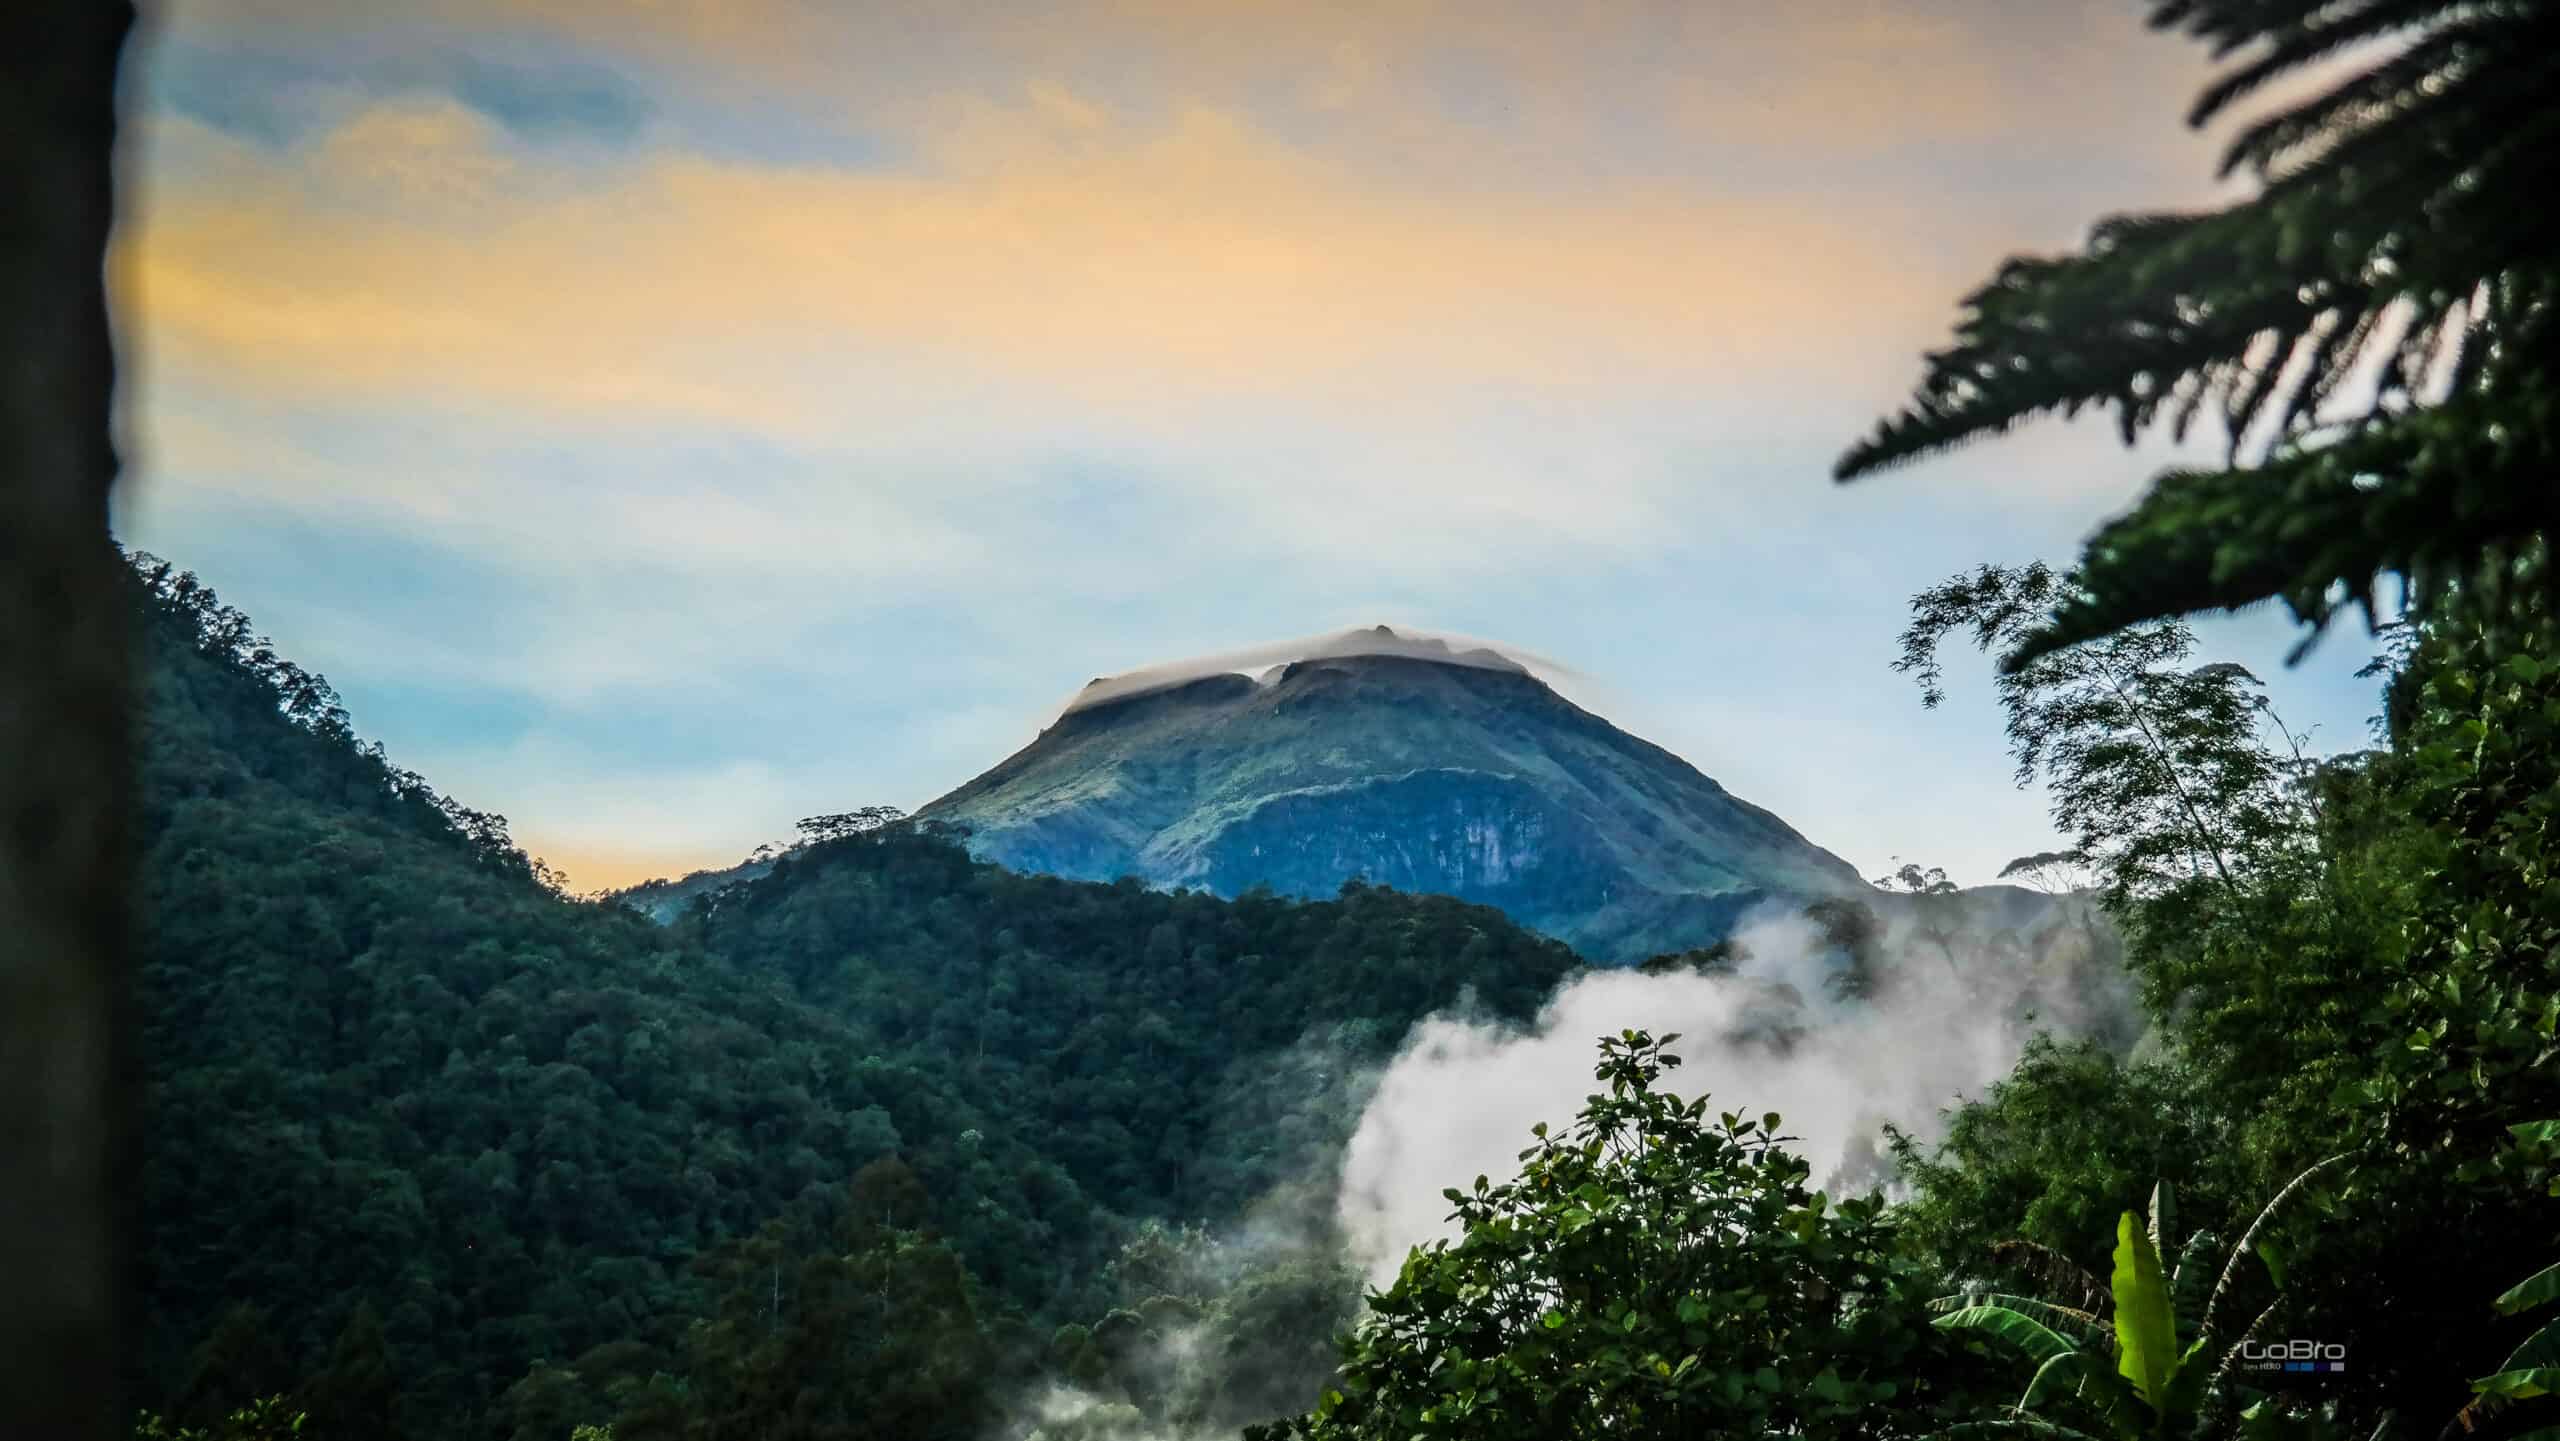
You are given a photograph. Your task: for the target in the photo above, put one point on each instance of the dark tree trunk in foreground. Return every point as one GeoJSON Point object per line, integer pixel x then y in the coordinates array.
{"type": "Point", "coordinates": [64, 756]}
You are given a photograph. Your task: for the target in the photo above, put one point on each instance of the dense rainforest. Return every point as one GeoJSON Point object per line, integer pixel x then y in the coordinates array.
{"type": "Point", "coordinates": [417, 1118]}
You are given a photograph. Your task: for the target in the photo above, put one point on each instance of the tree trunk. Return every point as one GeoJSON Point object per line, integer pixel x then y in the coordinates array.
{"type": "Point", "coordinates": [65, 755]}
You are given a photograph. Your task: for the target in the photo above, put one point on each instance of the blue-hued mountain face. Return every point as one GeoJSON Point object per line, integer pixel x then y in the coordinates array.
{"type": "Point", "coordinates": [1419, 768]}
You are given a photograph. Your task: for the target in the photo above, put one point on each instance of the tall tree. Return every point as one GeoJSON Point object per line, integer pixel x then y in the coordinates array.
{"type": "Point", "coordinates": [2372, 328]}
{"type": "Point", "coordinates": [65, 783]}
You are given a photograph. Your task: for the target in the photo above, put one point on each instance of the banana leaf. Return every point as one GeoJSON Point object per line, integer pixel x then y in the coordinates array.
{"type": "Point", "coordinates": [2146, 1332]}
{"type": "Point", "coordinates": [2534, 1290]}
{"type": "Point", "coordinates": [2039, 1341]}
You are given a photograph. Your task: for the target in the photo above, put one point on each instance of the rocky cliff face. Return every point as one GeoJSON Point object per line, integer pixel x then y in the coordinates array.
{"type": "Point", "coordinates": [1456, 773]}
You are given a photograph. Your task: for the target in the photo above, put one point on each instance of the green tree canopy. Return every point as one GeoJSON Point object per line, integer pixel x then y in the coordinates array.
{"type": "Point", "coordinates": [1657, 1270]}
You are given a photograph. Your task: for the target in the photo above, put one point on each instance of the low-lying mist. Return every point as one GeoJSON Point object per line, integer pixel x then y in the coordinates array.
{"type": "Point", "coordinates": [1841, 1040]}
{"type": "Point", "coordinates": [1842, 1021]}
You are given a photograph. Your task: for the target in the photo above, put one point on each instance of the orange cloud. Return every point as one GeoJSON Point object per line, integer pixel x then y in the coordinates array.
{"type": "Point", "coordinates": [1427, 317]}
{"type": "Point", "coordinates": [1104, 202]}
{"type": "Point", "coordinates": [1051, 239]}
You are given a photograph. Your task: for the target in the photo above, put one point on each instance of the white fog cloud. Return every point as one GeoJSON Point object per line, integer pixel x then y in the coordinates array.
{"type": "Point", "coordinates": [1460, 1098]}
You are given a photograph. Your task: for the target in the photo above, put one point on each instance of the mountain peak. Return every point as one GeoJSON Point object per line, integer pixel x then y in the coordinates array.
{"type": "Point", "coordinates": [1399, 757]}
{"type": "Point", "coordinates": [1272, 661]}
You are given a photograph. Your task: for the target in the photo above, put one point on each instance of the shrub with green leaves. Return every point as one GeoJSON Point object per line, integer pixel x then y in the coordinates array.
{"type": "Point", "coordinates": [2121, 1361]}
{"type": "Point", "coordinates": [1656, 1270]}
{"type": "Point", "coordinates": [2475, 1008]}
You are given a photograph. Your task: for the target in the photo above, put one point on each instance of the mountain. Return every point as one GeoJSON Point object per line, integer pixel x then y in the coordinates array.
{"type": "Point", "coordinates": [416, 1122]}
{"type": "Point", "coordinates": [1400, 760]}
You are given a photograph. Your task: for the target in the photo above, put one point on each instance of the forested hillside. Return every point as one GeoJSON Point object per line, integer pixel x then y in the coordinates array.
{"type": "Point", "coordinates": [1135, 1029]}
{"type": "Point", "coordinates": [416, 1122]}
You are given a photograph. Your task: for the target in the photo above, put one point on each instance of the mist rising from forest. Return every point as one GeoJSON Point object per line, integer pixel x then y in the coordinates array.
{"type": "Point", "coordinates": [1950, 1015]}
{"type": "Point", "coordinates": [1951, 1003]}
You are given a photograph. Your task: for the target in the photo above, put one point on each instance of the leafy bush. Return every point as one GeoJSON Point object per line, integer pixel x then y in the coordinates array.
{"type": "Point", "coordinates": [1655, 1271]}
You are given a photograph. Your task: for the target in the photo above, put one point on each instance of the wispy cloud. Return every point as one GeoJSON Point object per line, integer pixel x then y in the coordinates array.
{"type": "Point", "coordinates": [278, 97]}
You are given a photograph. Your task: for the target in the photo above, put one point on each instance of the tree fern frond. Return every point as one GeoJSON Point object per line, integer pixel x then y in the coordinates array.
{"type": "Point", "coordinates": [2332, 365]}
{"type": "Point", "coordinates": [2418, 76]}
{"type": "Point", "coordinates": [2399, 256]}
{"type": "Point", "coordinates": [2424, 497]}
{"type": "Point", "coordinates": [2394, 149]}
{"type": "Point", "coordinates": [2054, 336]}
{"type": "Point", "coordinates": [2307, 44]}
{"type": "Point", "coordinates": [2227, 25]}
{"type": "Point", "coordinates": [2241, 406]}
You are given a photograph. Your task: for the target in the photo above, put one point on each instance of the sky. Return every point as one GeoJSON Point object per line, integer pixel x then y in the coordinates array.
{"type": "Point", "coordinates": [667, 419]}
